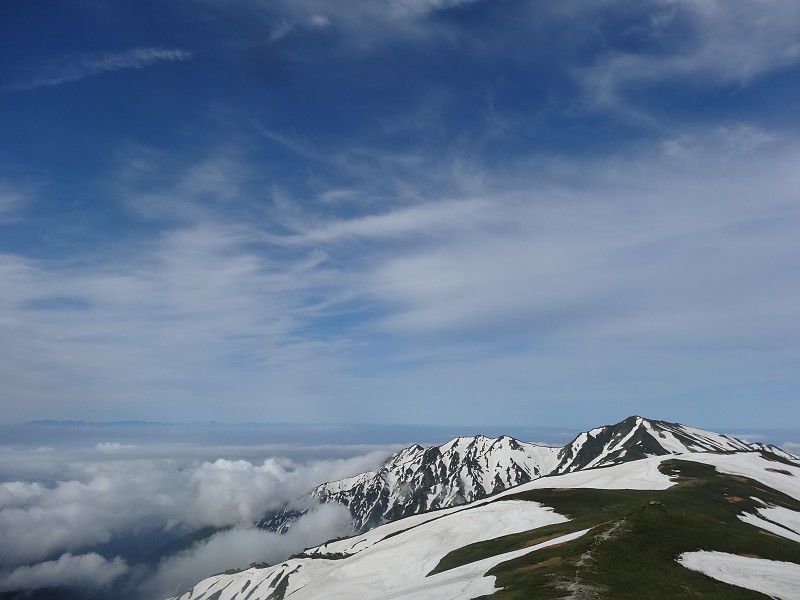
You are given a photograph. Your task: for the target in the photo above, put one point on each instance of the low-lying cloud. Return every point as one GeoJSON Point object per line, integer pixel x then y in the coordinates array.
{"type": "Point", "coordinates": [116, 496]}
{"type": "Point", "coordinates": [793, 447]}
{"type": "Point", "coordinates": [242, 546]}
{"type": "Point", "coordinates": [52, 530]}
{"type": "Point", "coordinates": [82, 571]}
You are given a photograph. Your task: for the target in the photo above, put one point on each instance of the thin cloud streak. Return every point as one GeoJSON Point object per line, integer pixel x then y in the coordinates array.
{"type": "Point", "coordinates": [77, 67]}
{"type": "Point", "coordinates": [440, 215]}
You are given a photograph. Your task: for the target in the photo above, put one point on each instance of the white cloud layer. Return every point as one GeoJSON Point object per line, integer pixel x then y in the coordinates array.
{"type": "Point", "coordinates": [95, 500]}
{"type": "Point", "coordinates": [433, 273]}
{"type": "Point", "coordinates": [84, 571]}
{"type": "Point", "coordinates": [629, 266]}
{"type": "Point", "coordinates": [242, 546]}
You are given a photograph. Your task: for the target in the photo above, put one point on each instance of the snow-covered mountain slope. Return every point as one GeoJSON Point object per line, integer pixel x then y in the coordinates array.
{"type": "Point", "coordinates": [611, 531]}
{"type": "Point", "coordinates": [637, 437]}
{"type": "Point", "coordinates": [417, 479]}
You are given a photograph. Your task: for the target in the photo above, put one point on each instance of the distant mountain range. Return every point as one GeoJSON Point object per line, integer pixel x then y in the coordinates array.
{"type": "Point", "coordinates": [465, 469]}
{"type": "Point", "coordinates": [642, 508]}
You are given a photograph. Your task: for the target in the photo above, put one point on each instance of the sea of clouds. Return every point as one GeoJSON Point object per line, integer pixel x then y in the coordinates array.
{"type": "Point", "coordinates": [147, 520]}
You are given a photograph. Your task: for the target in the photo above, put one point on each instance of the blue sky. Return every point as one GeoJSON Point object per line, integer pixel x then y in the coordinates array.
{"type": "Point", "coordinates": [413, 211]}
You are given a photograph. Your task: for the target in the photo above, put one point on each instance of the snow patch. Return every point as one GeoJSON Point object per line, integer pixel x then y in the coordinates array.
{"type": "Point", "coordinates": [777, 519]}
{"type": "Point", "coordinates": [771, 577]}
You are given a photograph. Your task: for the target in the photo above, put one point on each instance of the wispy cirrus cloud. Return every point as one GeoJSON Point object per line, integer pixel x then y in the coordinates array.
{"type": "Point", "coordinates": [11, 197]}
{"type": "Point", "coordinates": [675, 252]}
{"type": "Point", "coordinates": [82, 66]}
{"type": "Point", "coordinates": [361, 25]}
{"type": "Point", "coordinates": [721, 43]}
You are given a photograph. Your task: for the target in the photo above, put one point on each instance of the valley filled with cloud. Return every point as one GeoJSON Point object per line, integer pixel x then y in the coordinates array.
{"type": "Point", "coordinates": [146, 519]}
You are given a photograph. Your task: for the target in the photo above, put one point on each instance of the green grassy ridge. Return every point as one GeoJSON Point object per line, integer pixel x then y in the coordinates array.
{"type": "Point", "coordinates": [650, 529]}
{"type": "Point", "coordinates": [606, 506]}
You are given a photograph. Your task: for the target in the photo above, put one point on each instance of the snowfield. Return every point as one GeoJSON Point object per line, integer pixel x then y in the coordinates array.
{"type": "Point", "coordinates": [637, 475]}
{"type": "Point", "coordinates": [397, 566]}
{"type": "Point", "coordinates": [752, 465]}
{"type": "Point", "coordinates": [468, 581]}
{"type": "Point", "coordinates": [771, 577]}
{"type": "Point", "coordinates": [776, 519]}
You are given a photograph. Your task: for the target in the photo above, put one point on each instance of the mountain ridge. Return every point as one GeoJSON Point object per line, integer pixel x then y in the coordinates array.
{"type": "Point", "coordinates": [418, 479]}
{"type": "Point", "coordinates": [710, 525]}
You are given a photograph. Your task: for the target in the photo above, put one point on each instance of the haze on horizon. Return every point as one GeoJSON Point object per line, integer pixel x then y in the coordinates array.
{"type": "Point", "coordinates": [446, 212]}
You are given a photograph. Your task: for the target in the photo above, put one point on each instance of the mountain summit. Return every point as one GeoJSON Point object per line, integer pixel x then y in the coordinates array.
{"type": "Point", "coordinates": [637, 437]}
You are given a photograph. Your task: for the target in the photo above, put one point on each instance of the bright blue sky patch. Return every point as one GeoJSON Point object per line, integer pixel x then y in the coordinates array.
{"type": "Point", "coordinates": [418, 211]}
